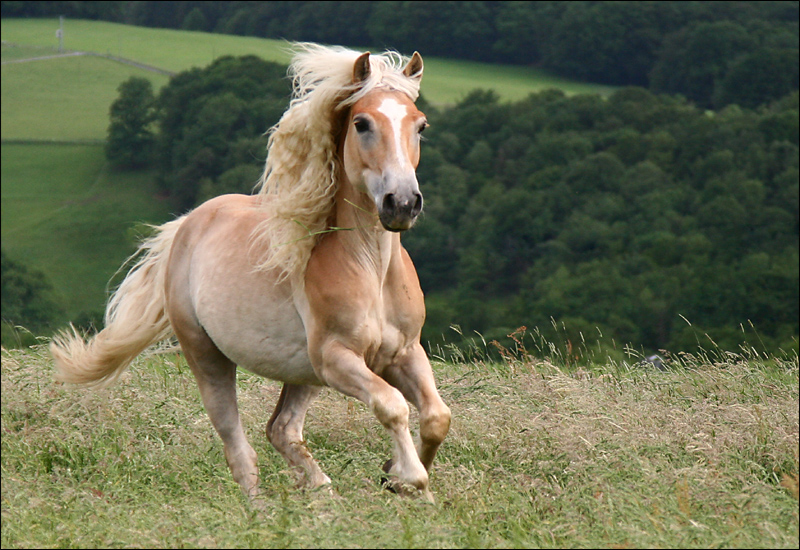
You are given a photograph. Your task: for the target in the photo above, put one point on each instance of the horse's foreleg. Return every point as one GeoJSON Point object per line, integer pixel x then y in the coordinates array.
{"type": "Point", "coordinates": [414, 378]}
{"type": "Point", "coordinates": [285, 432]}
{"type": "Point", "coordinates": [345, 371]}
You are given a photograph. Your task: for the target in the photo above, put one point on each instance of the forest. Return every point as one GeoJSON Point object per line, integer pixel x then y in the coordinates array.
{"type": "Point", "coordinates": [663, 213]}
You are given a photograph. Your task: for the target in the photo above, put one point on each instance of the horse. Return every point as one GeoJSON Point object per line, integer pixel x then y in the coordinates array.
{"type": "Point", "coordinates": [304, 281]}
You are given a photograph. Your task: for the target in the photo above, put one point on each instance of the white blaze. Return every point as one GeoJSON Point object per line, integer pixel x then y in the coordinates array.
{"type": "Point", "coordinates": [395, 112]}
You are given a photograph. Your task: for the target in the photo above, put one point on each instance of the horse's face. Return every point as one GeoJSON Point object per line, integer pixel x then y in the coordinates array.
{"type": "Point", "coordinates": [381, 154]}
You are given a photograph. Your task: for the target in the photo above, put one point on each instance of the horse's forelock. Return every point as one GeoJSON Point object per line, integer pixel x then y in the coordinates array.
{"type": "Point", "coordinates": [322, 74]}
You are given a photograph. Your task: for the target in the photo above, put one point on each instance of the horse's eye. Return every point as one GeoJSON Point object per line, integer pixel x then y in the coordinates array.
{"type": "Point", "coordinates": [423, 126]}
{"type": "Point", "coordinates": [362, 125]}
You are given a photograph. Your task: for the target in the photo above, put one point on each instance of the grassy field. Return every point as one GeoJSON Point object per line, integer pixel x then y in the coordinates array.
{"type": "Point", "coordinates": [66, 213]}
{"type": "Point", "coordinates": [446, 81]}
{"type": "Point", "coordinates": [704, 454]}
{"type": "Point", "coordinates": [167, 49]}
{"type": "Point", "coordinates": [62, 99]}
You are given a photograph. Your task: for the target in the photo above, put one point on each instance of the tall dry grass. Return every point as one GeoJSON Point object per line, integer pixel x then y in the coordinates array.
{"type": "Point", "coordinates": [540, 454]}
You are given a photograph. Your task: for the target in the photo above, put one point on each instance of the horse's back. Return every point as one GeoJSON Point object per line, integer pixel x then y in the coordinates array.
{"type": "Point", "coordinates": [214, 291]}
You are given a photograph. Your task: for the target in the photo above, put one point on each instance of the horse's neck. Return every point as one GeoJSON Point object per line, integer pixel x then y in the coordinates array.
{"type": "Point", "coordinates": [355, 220]}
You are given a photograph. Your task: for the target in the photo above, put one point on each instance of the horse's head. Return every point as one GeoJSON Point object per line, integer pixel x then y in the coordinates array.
{"type": "Point", "coordinates": [381, 147]}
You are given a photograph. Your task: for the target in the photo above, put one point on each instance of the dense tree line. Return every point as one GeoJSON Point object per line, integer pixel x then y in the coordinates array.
{"type": "Point", "coordinates": [629, 217]}
{"type": "Point", "coordinates": [205, 132]}
{"type": "Point", "coordinates": [211, 127]}
{"type": "Point", "coordinates": [713, 53]}
{"type": "Point", "coordinates": [617, 217]}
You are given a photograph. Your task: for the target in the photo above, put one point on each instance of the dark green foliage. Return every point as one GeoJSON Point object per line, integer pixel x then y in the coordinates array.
{"type": "Point", "coordinates": [130, 135]}
{"type": "Point", "coordinates": [27, 302]}
{"type": "Point", "coordinates": [615, 216]}
{"type": "Point", "coordinates": [764, 75]}
{"type": "Point", "coordinates": [195, 21]}
{"type": "Point", "coordinates": [697, 57]}
{"type": "Point", "coordinates": [212, 123]}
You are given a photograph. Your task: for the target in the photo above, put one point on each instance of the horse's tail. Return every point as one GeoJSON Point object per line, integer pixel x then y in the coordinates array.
{"type": "Point", "coordinates": [135, 319]}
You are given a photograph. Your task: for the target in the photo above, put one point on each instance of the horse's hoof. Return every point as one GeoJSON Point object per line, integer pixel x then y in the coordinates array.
{"type": "Point", "coordinates": [394, 485]}
{"type": "Point", "coordinates": [386, 482]}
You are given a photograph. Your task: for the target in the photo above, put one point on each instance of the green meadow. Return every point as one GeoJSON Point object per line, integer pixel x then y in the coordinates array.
{"type": "Point", "coordinates": [67, 214]}
{"type": "Point", "coordinates": [446, 81]}
{"type": "Point", "coordinates": [63, 99]}
{"type": "Point", "coordinates": [167, 49]}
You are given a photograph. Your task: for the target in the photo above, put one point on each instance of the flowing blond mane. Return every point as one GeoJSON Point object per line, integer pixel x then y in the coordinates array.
{"type": "Point", "coordinates": [299, 180]}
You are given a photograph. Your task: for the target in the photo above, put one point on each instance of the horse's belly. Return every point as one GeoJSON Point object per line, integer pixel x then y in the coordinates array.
{"type": "Point", "coordinates": [261, 335]}
{"type": "Point", "coordinates": [265, 338]}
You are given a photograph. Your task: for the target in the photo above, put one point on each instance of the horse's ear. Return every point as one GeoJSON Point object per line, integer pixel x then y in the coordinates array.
{"type": "Point", "coordinates": [361, 68]}
{"type": "Point", "coordinates": [414, 67]}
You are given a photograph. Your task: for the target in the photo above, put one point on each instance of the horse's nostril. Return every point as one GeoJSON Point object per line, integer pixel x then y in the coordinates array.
{"type": "Point", "coordinates": [417, 208]}
{"type": "Point", "coordinates": [388, 202]}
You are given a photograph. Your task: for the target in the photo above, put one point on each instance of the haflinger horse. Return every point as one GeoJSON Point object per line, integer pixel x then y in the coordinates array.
{"type": "Point", "coordinates": [304, 282]}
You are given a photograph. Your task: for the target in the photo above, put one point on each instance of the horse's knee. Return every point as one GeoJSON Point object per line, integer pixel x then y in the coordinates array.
{"type": "Point", "coordinates": [435, 424]}
{"type": "Point", "coordinates": [390, 408]}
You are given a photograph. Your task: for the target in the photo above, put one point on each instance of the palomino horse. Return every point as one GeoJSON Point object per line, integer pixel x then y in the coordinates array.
{"type": "Point", "coordinates": [305, 282]}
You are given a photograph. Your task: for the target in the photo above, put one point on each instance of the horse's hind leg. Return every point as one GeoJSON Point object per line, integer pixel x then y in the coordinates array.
{"type": "Point", "coordinates": [216, 378]}
{"type": "Point", "coordinates": [285, 432]}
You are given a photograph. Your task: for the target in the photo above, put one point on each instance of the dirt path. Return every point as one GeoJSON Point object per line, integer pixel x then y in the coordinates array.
{"type": "Point", "coordinates": [70, 54]}
{"type": "Point", "coordinates": [105, 56]}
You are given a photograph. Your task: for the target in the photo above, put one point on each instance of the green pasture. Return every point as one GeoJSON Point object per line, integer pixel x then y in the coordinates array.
{"type": "Point", "coordinates": [703, 455]}
{"type": "Point", "coordinates": [67, 214]}
{"type": "Point", "coordinates": [446, 81]}
{"type": "Point", "coordinates": [167, 49]}
{"type": "Point", "coordinates": [62, 99]}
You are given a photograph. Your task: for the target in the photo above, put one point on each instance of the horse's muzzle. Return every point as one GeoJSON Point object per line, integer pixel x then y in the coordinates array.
{"type": "Point", "coordinates": [398, 213]}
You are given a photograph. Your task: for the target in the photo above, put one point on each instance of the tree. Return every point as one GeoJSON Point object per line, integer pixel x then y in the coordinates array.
{"type": "Point", "coordinates": [609, 42]}
{"type": "Point", "coordinates": [213, 119]}
{"type": "Point", "coordinates": [26, 300]}
{"type": "Point", "coordinates": [759, 77]}
{"type": "Point", "coordinates": [195, 21]}
{"type": "Point", "coordinates": [696, 57]}
{"type": "Point", "coordinates": [130, 137]}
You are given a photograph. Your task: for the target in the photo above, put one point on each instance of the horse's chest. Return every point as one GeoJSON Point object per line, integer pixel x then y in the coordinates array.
{"type": "Point", "coordinates": [392, 331]}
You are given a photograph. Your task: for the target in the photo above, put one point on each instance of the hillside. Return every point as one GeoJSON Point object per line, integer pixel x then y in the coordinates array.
{"type": "Point", "coordinates": [446, 81]}
{"type": "Point", "coordinates": [65, 213]}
